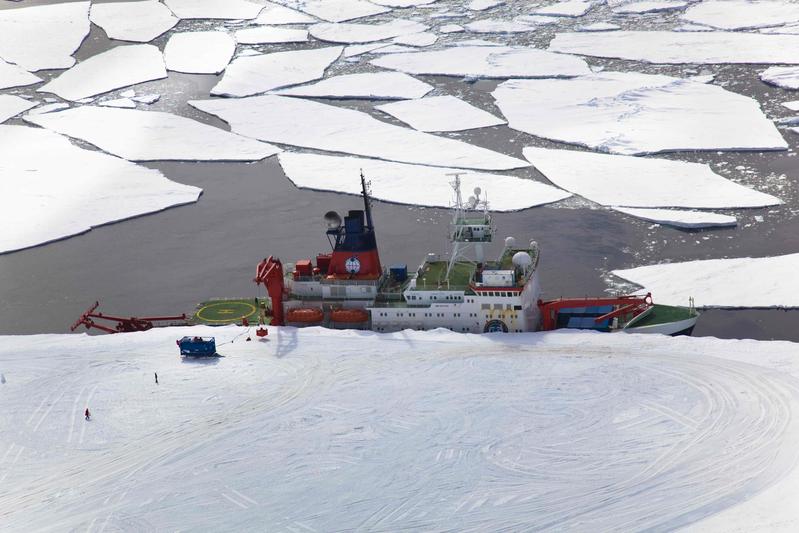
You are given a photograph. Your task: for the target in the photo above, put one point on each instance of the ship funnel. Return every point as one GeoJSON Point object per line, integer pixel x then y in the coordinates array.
{"type": "Point", "coordinates": [333, 220]}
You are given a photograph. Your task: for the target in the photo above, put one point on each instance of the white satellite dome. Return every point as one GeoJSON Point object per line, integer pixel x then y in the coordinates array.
{"type": "Point", "coordinates": [510, 242]}
{"type": "Point", "coordinates": [522, 260]}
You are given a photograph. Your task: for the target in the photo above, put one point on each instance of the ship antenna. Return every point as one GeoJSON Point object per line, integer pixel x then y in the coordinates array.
{"type": "Point", "coordinates": [367, 200]}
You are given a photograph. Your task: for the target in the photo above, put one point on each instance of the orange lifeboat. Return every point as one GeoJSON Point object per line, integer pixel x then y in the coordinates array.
{"type": "Point", "coordinates": [305, 315]}
{"type": "Point", "coordinates": [349, 316]}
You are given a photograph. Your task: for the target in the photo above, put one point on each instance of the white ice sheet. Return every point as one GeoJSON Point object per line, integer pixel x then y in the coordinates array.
{"type": "Point", "coordinates": [271, 35]}
{"type": "Point", "coordinates": [497, 26]}
{"type": "Point", "coordinates": [599, 26]}
{"type": "Point", "coordinates": [340, 10]}
{"type": "Point", "coordinates": [15, 76]}
{"type": "Point", "coordinates": [482, 5]}
{"type": "Point", "coordinates": [124, 103]}
{"type": "Point", "coordinates": [214, 9]}
{"type": "Point", "coordinates": [679, 218]}
{"type": "Point", "coordinates": [741, 14]}
{"type": "Point", "coordinates": [133, 21]}
{"type": "Point", "coordinates": [367, 85]}
{"type": "Point", "coordinates": [785, 77]}
{"type": "Point", "coordinates": [440, 113]}
{"type": "Point", "coordinates": [357, 33]}
{"type": "Point", "coordinates": [199, 52]}
{"type": "Point", "coordinates": [11, 106]}
{"type": "Point", "coordinates": [422, 39]}
{"type": "Point", "coordinates": [650, 6]}
{"type": "Point", "coordinates": [276, 14]}
{"type": "Point", "coordinates": [569, 8]}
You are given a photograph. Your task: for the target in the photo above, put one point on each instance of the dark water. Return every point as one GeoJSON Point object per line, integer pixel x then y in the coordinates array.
{"type": "Point", "coordinates": [168, 262]}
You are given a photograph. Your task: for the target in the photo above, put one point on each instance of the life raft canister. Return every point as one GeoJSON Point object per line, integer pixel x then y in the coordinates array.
{"type": "Point", "coordinates": [349, 316]}
{"type": "Point", "coordinates": [305, 315]}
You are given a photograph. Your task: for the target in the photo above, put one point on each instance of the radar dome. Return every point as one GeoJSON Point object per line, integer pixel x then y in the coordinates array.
{"type": "Point", "coordinates": [522, 260]}
{"type": "Point", "coordinates": [510, 242]}
{"type": "Point", "coordinates": [477, 191]}
{"type": "Point", "coordinates": [332, 219]}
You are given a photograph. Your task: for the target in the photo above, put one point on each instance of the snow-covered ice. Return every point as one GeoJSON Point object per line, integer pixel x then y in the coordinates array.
{"type": "Point", "coordinates": [366, 85]}
{"type": "Point", "coordinates": [413, 184]}
{"type": "Point", "coordinates": [451, 28]}
{"type": "Point", "coordinates": [485, 62]}
{"type": "Point", "coordinates": [140, 21]}
{"type": "Point", "coordinates": [118, 67]}
{"type": "Point", "coordinates": [497, 26]}
{"type": "Point", "coordinates": [650, 6]}
{"type": "Point", "coordinates": [482, 5]}
{"type": "Point", "coordinates": [48, 108]}
{"type": "Point", "coordinates": [52, 189]}
{"type": "Point", "coordinates": [403, 3]}
{"type": "Point", "coordinates": [15, 76]}
{"type": "Point", "coordinates": [569, 8]}
{"type": "Point", "coordinates": [358, 33]}
{"type": "Point", "coordinates": [793, 105]}
{"type": "Point", "coordinates": [679, 218]}
{"type": "Point", "coordinates": [599, 26]}
{"type": "Point", "coordinates": [214, 9]}
{"type": "Point", "coordinates": [634, 113]}
{"type": "Point", "coordinates": [11, 106]}
{"type": "Point", "coordinates": [421, 39]}
{"type": "Point", "coordinates": [681, 47]}
{"type": "Point", "coordinates": [152, 135]}
{"type": "Point", "coordinates": [440, 113]}
{"type": "Point", "coordinates": [742, 14]}
{"type": "Point", "coordinates": [341, 430]}
{"type": "Point", "coordinates": [257, 74]}
{"type": "Point", "coordinates": [754, 282]}
{"type": "Point", "coordinates": [300, 122]}
{"type": "Point", "coordinates": [627, 181]}
{"type": "Point", "coordinates": [393, 49]}
{"type": "Point", "coordinates": [271, 35]}
{"type": "Point", "coordinates": [199, 52]}
{"type": "Point", "coordinates": [276, 14]}
{"type": "Point", "coordinates": [341, 10]}
{"type": "Point", "coordinates": [124, 103]}
{"type": "Point", "coordinates": [355, 50]}
{"type": "Point", "coordinates": [43, 37]}
{"type": "Point", "coordinates": [785, 77]}
{"type": "Point", "coordinates": [146, 98]}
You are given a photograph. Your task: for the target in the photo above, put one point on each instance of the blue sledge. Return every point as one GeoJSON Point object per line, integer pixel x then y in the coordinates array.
{"type": "Point", "coordinates": [197, 346]}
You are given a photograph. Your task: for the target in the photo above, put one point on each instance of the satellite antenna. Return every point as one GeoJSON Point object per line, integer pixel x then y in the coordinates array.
{"type": "Point", "coordinates": [332, 220]}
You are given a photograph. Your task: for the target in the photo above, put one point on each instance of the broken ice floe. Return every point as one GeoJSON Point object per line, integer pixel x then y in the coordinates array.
{"type": "Point", "coordinates": [627, 181]}
{"type": "Point", "coordinates": [681, 47]}
{"type": "Point", "coordinates": [124, 103]}
{"type": "Point", "coordinates": [393, 49]}
{"type": "Point", "coordinates": [679, 218]}
{"type": "Point", "coordinates": [15, 76]}
{"type": "Point", "coordinates": [275, 14]}
{"type": "Point", "coordinates": [785, 77]}
{"type": "Point", "coordinates": [11, 106]}
{"type": "Point", "coordinates": [569, 8]}
{"type": "Point", "coordinates": [271, 35]}
{"type": "Point", "coordinates": [482, 5]}
{"type": "Point", "coordinates": [48, 108]}
{"type": "Point", "coordinates": [753, 282]}
{"type": "Point", "coordinates": [634, 113]}
{"type": "Point", "coordinates": [498, 26]}
{"type": "Point", "coordinates": [403, 3]}
{"type": "Point", "coordinates": [200, 52]}
{"type": "Point", "coordinates": [43, 37]}
{"type": "Point", "coordinates": [214, 9]}
{"type": "Point", "coordinates": [451, 28]}
{"type": "Point", "coordinates": [742, 14]}
{"type": "Point", "coordinates": [366, 85]}
{"type": "Point", "coordinates": [440, 113]}
{"type": "Point", "coordinates": [118, 67]}
{"type": "Point", "coordinates": [793, 105]}
{"type": "Point", "coordinates": [150, 135]}
{"type": "Point", "coordinates": [133, 21]}
{"type": "Point", "coordinates": [599, 26]}
{"type": "Point", "coordinates": [360, 49]}
{"type": "Point", "coordinates": [654, 6]}
{"type": "Point", "coordinates": [412, 184]}
{"type": "Point", "coordinates": [356, 33]}
{"type": "Point", "coordinates": [340, 10]}
{"type": "Point", "coordinates": [146, 98]}
{"type": "Point", "coordinates": [72, 190]}
{"type": "Point", "coordinates": [300, 122]}
{"type": "Point", "coordinates": [417, 39]}
{"type": "Point", "coordinates": [257, 74]}
{"type": "Point", "coordinates": [486, 62]}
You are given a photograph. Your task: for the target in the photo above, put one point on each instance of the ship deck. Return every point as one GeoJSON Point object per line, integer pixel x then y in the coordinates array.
{"type": "Point", "coordinates": [433, 273]}
{"type": "Point", "coordinates": [664, 314]}
{"type": "Point", "coordinates": [221, 312]}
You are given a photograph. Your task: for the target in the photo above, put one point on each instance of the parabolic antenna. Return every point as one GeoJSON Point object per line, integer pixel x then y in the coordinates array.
{"type": "Point", "coordinates": [333, 220]}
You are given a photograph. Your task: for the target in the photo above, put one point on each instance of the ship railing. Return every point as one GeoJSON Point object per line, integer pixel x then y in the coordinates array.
{"type": "Point", "coordinates": [334, 281]}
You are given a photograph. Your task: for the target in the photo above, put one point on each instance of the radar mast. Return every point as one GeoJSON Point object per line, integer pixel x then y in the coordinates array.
{"type": "Point", "coordinates": [470, 229]}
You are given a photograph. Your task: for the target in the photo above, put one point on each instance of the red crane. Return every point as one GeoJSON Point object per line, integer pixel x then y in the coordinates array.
{"type": "Point", "coordinates": [270, 273]}
{"type": "Point", "coordinates": [623, 305]}
{"type": "Point", "coordinates": [124, 324]}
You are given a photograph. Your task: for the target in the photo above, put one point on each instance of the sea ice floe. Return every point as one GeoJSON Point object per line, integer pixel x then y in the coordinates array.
{"type": "Point", "coordinates": [11, 106]}
{"type": "Point", "coordinates": [115, 68]}
{"type": "Point", "coordinates": [271, 35]}
{"type": "Point", "coordinates": [679, 218]}
{"type": "Point", "coordinates": [785, 77]}
{"type": "Point", "coordinates": [15, 76]}
{"type": "Point", "coordinates": [793, 105]}
{"type": "Point", "coordinates": [569, 8]}
{"type": "Point", "coordinates": [476, 42]}
{"type": "Point", "coordinates": [355, 50]}
{"type": "Point", "coordinates": [300, 122]}
{"type": "Point", "coordinates": [276, 14]}
{"type": "Point", "coordinates": [151, 135]}
{"type": "Point", "coordinates": [417, 39]}
{"type": "Point", "coordinates": [599, 26]}
{"type": "Point", "coordinates": [627, 181]}
{"type": "Point", "coordinates": [53, 189]}
{"type": "Point", "coordinates": [146, 98]}
{"type": "Point", "coordinates": [742, 14]}
{"type": "Point", "coordinates": [412, 184]}
{"type": "Point", "coordinates": [482, 5]}
{"type": "Point", "coordinates": [366, 85]}
{"type": "Point", "coordinates": [440, 113]}
{"type": "Point", "coordinates": [124, 103]}
{"type": "Point", "coordinates": [681, 47]}
{"type": "Point", "coordinates": [403, 3]}
{"type": "Point", "coordinates": [43, 37]}
{"type": "Point", "coordinates": [214, 9]}
{"type": "Point", "coordinates": [653, 6]}
{"type": "Point", "coordinates": [634, 113]}
{"type": "Point", "coordinates": [743, 282]}
{"type": "Point", "coordinates": [48, 108]}
{"type": "Point", "coordinates": [356, 33]}
{"type": "Point", "coordinates": [486, 62]}
{"type": "Point", "coordinates": [341, 10]}
{"type": "Point", "coordinates": [133, 21]}
{"type": "Point", "coordinates": [451, 28]}
{"type": "Point", "coordinates": [497, 26]}
{"type": "Point", "coordinates": [199, 52]}
{"type": "Point", "coordinates": [393, 49]}
{"type": "Point", "coordinates": [127, 93]}
{"type": "Point", "coordinates": [257, 74]}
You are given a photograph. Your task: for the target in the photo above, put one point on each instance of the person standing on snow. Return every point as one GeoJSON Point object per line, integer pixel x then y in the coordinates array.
{"type": "Point", "coordinates": [87, 414]}
{"type": "Point", "coordinates": [156, 378]}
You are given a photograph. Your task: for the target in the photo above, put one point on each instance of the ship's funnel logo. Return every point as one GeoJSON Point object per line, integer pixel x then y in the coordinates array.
{"type": "Point", "coordinates": [352, 265]}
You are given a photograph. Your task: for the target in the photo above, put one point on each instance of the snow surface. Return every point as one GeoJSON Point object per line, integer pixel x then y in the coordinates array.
{"type": "Point", "coordinates": [482, 5]}
{"type": "Point", "coordinates": [412, 184]}
{"type": "Point", "coordinates": [258, 74]}
{"type": "Point", "coordinates": [679, 218]}
{"type": "Point", "coordinates": [276, 14]}
{"type": "Point", "coordinates": [742, 14]}
{"type": "Point", "coordinates": [43, 37]}
{"type": "Point", "coordinates": [146, 98]}
{"type": "Point", "coordinates": [497, 26]}
{"type": "Point", "coordinates": [15, 76]}
{"type": "Point", "coordinates": [650, 6]}
{"type": "Point", "coordinates": [403, 3]}
{"type": "Point", "coordinates": [124, 103]}
{"type": "Point", "coordinates": [485, 62]}
{"type": "Point", "coordinates": [11, 106]}
{"type": "Point", "coordinates": [133, 21]}
{"type": "Point", "coordinates": [451, 28]}
{"type": "Point", "coordinates": [785, 77]}
{"type": "Point", "coordinates": [299, 122]}
{"type": "Point", "coordinates": [417, 39]}
{"type": "Point", "coordinates": [366, 85]}
{"type": "Point", "coordinates": [52, 189]}
{"type": "Point", "coordinates": [792, 105]}
{"type": "Point", "coordinates": [634, 113]}
{"type": "Point", "coordinates": [356, 33]}
{"type": "Point", "coordinates": [200, 52]}
{"type": "Point", "coordinates": [751, 282]}
{"type": "Point", "coordinates": [152, 135]}
{"type": "Point", "coordinates": [115, 68]}
{"type": "Point", "coordinates": [681, 47]}
{"type": "Point", "coordinates": [48, 108]}
{"type": "Point", "coordinates": [270, 35]}
{"type": "Point", "coordinates": [599, 26]}
{"type": "Point", "coordinates": [214, 9]}
{"type": "Point", "coordinates": [440, 113]}
{"type": "Point", "coordinates": [360, 49]}
{"type": "Point", "coordinates": [627, 181]}
{"type": "Point", "coordinates": [320, 430]}
{"type": "Point", "coordinates": [340, 10]}
{"type": "Point", "coordinates": [569, 8]}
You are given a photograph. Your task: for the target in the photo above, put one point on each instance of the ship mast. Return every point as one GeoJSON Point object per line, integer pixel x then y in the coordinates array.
{"type": "Point", "coordinates": [367, 201]}
{"type": "Point", "coordinates": [467, 232]}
